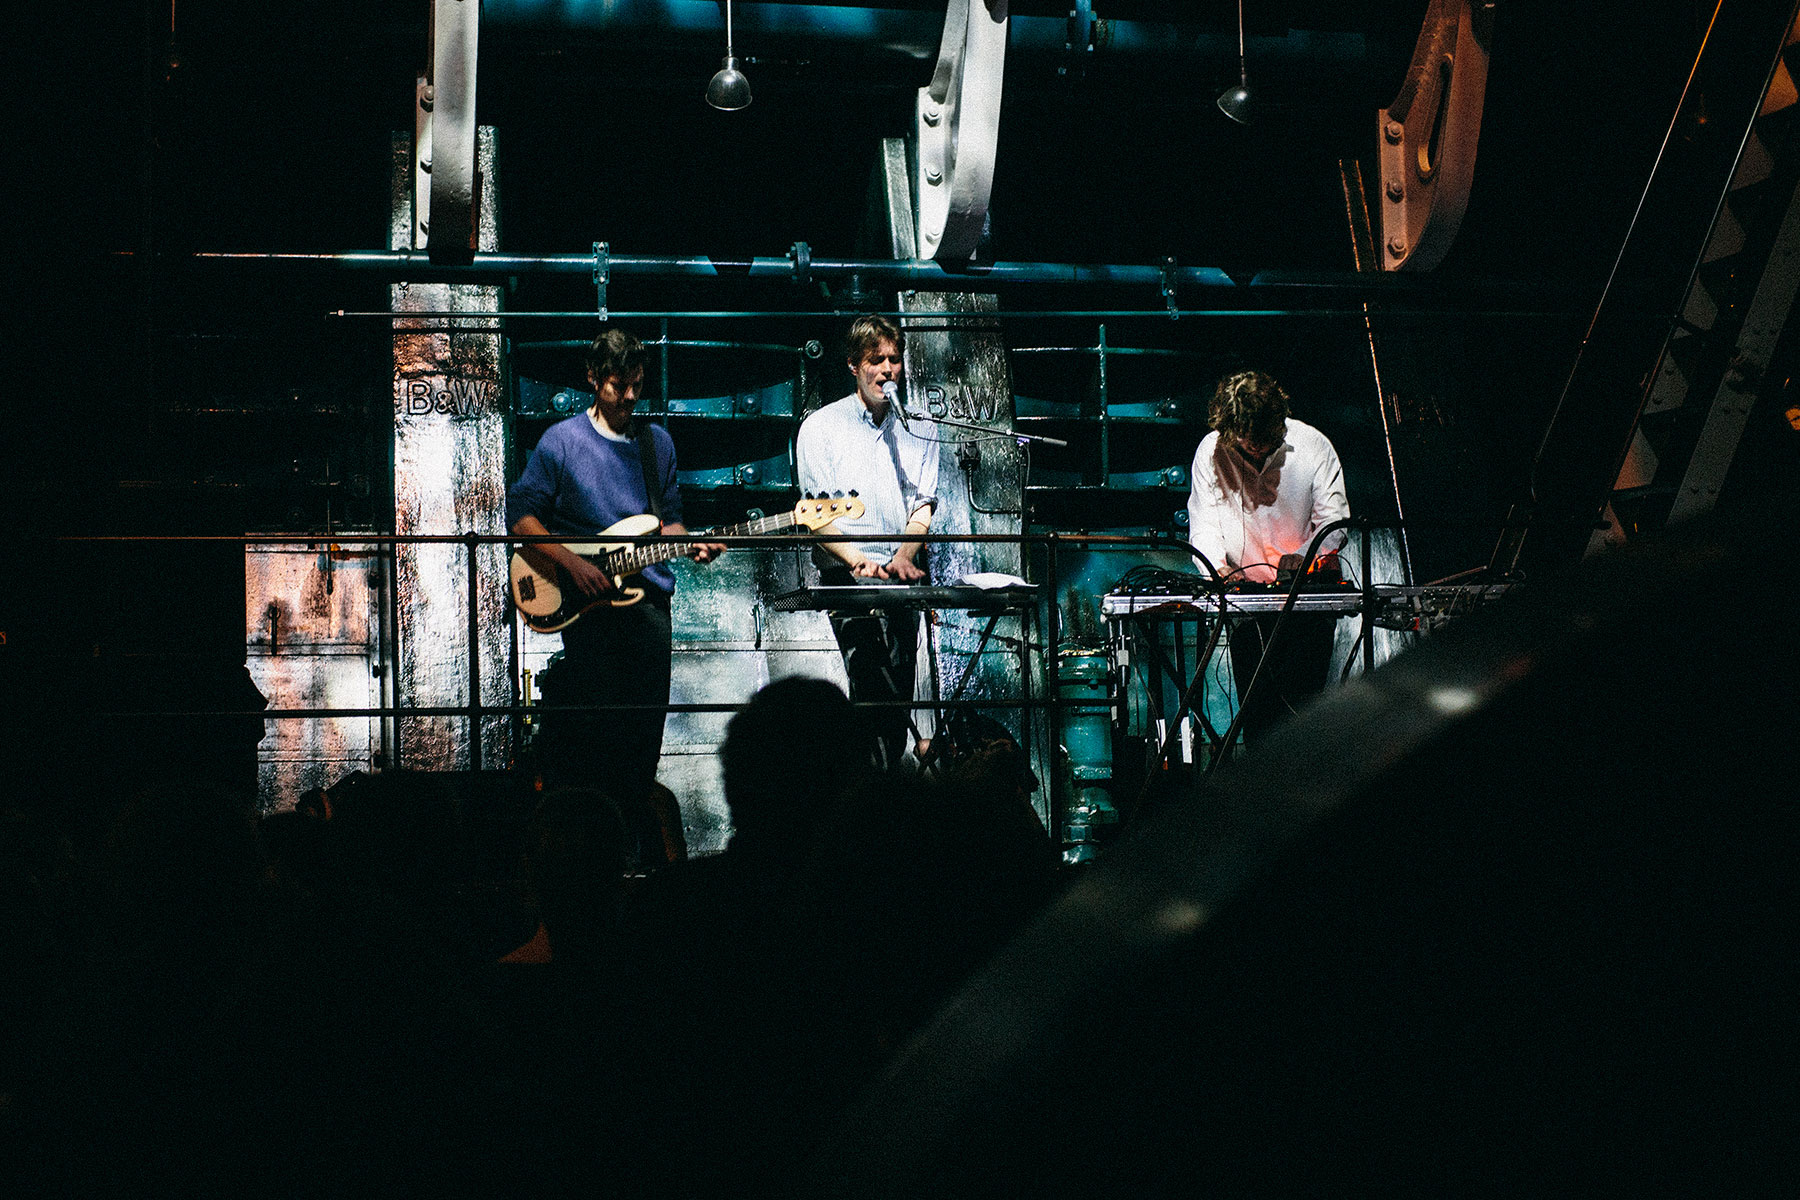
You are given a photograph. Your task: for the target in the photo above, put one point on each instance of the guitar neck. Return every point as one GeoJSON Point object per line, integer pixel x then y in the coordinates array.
{"type": "Point", "coordinates": [633, 559]}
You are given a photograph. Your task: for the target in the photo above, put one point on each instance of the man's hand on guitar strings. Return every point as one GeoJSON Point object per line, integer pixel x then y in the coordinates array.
{"type": "Point", "coordinates": [588, 579]}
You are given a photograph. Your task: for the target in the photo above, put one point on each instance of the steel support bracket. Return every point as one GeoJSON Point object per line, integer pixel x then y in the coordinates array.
{"type": "Point", "coordinates": [424, 96]}
{"type": "Point", "coordinates": [1169, 270]}
{"type": "Point", "coordinates": [446, 182]}
{"type": "Point", "coordinates": [1765, 322]}
{"type": "Point", "coordinates": [1427, 136]}
{"type": "Point", "coordinates": [956, 131]}
{"type": "Point", "coordinates": [602, 273]}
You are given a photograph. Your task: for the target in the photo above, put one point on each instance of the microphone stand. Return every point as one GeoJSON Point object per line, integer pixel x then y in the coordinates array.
{"type": "Point", "coordinates": [949, 423]}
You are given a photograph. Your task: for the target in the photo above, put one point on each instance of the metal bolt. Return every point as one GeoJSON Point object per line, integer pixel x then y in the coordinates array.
{"type": "Point", "coordinates": [1394, 130]}
{"type": "Point", "coordinates": [933, 176]}
{"type": "Point", "coordinates": [1396, 246]}
{"type": "Point", "coordinates": [933, 114]}
{"type": "Point", "coordinates": [1395, 189]}
{"type": "Point", "coordinates": [425, 165]}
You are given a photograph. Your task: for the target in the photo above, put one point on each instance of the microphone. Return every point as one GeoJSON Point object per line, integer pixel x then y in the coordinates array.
{"type": "Point", "coordinates": [890, 391]}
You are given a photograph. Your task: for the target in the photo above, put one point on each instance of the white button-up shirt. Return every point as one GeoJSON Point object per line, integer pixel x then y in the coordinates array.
{"type": "Point", "coordinates": [894, 472]}
{"type": "Point", "coordinates": [1244, 518]}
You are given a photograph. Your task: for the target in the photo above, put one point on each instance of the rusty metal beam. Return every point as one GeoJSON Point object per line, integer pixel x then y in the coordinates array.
{"type": "Point", "coordinates": [1428, 135]}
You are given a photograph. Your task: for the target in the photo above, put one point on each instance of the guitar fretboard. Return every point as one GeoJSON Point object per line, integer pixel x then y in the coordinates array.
{"type": "Point", "coordinates": [633, 559]}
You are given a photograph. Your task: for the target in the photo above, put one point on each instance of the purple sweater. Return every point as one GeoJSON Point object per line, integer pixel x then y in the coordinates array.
{"type": "Point", "coordinates": [578, 483]}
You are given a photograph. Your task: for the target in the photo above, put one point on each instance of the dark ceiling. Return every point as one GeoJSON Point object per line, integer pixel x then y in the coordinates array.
{"type": "Point", "coordinates": [267, 127]}
{"type": "Point", "coordinates": [271, 133]}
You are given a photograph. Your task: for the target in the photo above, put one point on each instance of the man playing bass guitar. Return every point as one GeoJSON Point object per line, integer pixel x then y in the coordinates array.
{"type": "Point", "coordinates": [588, 473]}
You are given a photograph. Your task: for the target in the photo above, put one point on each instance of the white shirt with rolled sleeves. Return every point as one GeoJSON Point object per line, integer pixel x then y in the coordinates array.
{"type": "Point", "coordinates": [1244, 518]}
{"type": "Point", "coordinates": [893, 471]}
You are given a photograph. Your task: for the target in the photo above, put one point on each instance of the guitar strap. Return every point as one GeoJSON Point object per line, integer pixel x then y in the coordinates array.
{"type": "Point", "coordinates": [647, 456]}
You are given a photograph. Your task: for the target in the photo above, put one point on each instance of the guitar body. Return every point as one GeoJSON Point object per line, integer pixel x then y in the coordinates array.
{"type": "Point", "coordinates": [548, 604]}
{"type": "Point", "coordinates": [539, 591]}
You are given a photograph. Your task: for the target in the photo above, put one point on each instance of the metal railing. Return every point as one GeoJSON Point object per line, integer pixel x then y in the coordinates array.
{"type": "Point", "coordinates": [474, 709]}
{"type": "Point", "coordinates": [1044, 607]}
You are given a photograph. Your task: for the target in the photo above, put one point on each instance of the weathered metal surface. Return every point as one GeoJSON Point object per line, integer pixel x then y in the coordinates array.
{"type": "Point", "coordinates": [728, 645]}
{"type": "Point", "coordinates": [692, 741]}
{"type": "Point", "coordinates": [963, 374]}
{"type": "Point", "coordinates": [450, 156]}
{"type": "Point", "coordinates": [895, 196]}
{"type": "Point", "coordinates": [451, 431]}
{"type": "Point", "coordinates": [296, 756]}
{"type": "Point", "coordinates": [311, 616]}
{"type": "Point", "coordinates": [309, 599]}
{"type": "Point", "coordinates": [696, 782]}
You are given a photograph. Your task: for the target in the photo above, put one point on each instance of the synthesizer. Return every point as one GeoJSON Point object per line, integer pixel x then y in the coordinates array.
{"type": "Point", "coordinates": [1395, 607]}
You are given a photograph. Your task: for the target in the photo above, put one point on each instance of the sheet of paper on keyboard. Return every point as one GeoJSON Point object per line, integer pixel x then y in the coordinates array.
{"type": "Point", "coordinates": [990, 580]}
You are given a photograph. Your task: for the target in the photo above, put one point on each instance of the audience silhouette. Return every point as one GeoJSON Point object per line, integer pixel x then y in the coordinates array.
{"type": "Point", "coordinates": [335, 999]}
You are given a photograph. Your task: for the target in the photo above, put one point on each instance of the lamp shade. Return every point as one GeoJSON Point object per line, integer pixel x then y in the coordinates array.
{"type": "Point", "coordinates": [1237, 104]}
{"type": "Point", "coordinates": [728, 88]}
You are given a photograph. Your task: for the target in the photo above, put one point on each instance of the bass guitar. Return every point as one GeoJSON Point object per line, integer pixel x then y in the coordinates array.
{"type": "Point", "coordinates": [541, 594]}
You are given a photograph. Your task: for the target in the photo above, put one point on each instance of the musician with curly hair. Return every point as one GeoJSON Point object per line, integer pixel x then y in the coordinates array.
{"type": "Point", "coordinates": [1263, 484]}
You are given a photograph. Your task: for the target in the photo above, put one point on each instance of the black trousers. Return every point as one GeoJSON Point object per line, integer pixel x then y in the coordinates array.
{"type": "Point", "coordinates": [1296, 673]}
{"type": "Point", "coordinates": [612, 656]}
{"type": "Point", "coordinates": [879, 648]}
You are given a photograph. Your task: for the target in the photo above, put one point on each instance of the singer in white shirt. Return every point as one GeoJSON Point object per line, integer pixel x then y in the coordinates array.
{"type": "Point", "coordinates": [862, 443]}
